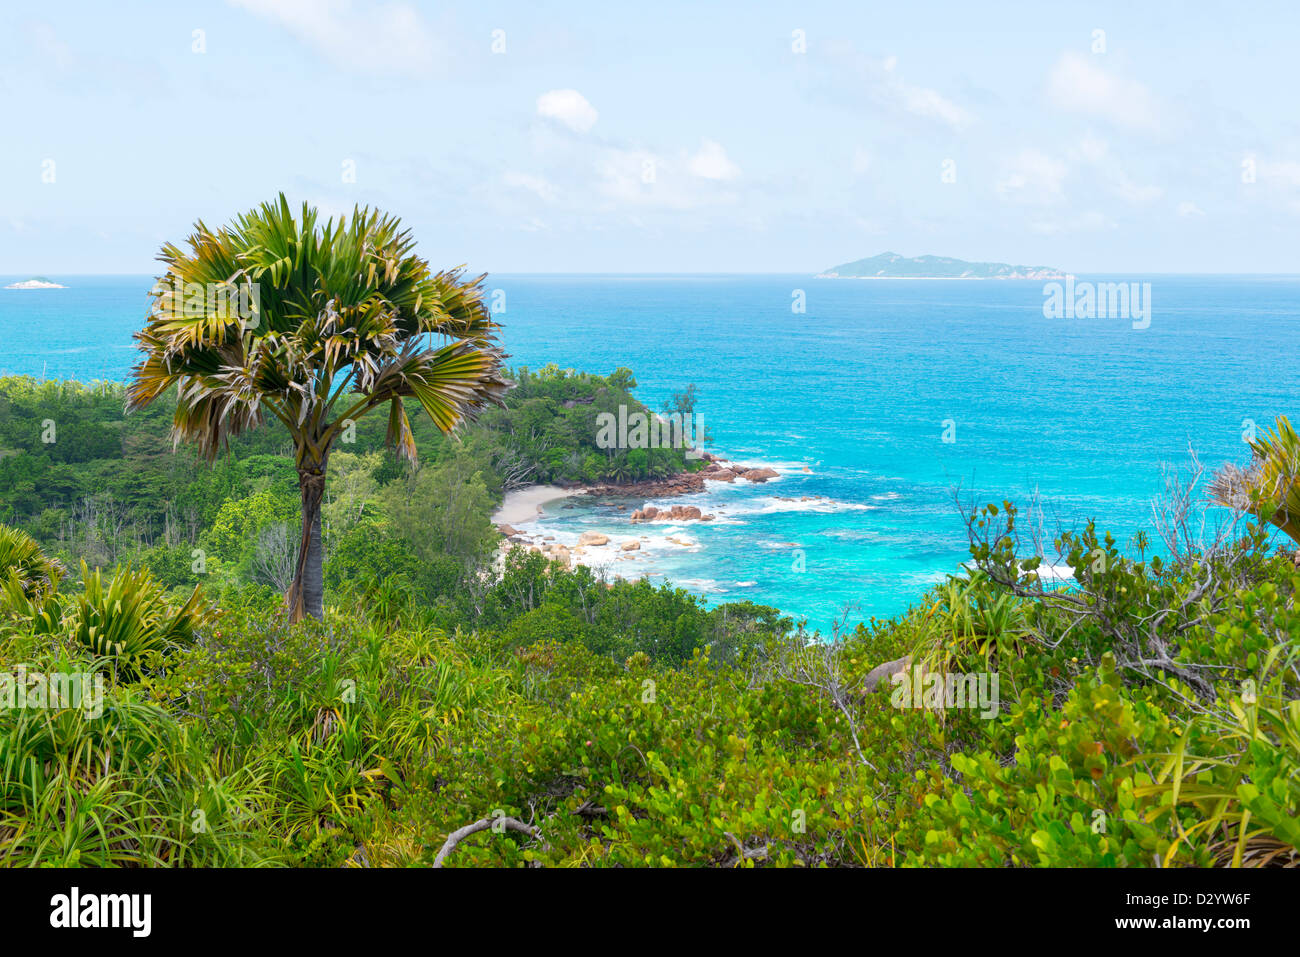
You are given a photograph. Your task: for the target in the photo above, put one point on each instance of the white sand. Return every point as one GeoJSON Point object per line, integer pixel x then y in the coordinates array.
{"type": "Point", "coordinates": [525, 504]}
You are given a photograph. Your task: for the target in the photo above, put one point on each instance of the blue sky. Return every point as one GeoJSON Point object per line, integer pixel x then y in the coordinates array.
{"type": "Point", "coordinates": [662, 137]}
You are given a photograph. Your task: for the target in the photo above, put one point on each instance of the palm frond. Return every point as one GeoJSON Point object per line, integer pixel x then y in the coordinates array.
{"type": "Point", "coordinates": [1269, 484]}
{"type": "Point", "coordinates": [343, 303]}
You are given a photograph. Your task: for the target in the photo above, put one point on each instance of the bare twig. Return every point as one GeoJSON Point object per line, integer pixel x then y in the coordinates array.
{"type": "Point", "coordinates": [483, 824]}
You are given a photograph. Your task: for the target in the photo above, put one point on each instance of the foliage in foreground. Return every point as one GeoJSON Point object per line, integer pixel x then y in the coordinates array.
{"type": "Point", "coordinates": [367, 739]}
{"type": "Point", "coordinates": [1146, 715]}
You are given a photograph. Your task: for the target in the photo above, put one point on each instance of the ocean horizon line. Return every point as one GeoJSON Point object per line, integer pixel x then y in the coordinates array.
{"type": "Point", "coordinates": [619, 274]}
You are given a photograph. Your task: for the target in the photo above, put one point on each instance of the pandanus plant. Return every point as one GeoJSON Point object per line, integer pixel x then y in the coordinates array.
{"type": "Point", "coordinates": [34, 573]}
{"type": "Point", "coordinates": [334, 320]}
{"type": "Point", "coordinates": [1269, 487]}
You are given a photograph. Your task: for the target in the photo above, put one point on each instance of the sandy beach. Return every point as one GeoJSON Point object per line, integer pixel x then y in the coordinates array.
{"type": "Point", "coordinates": [525, 504]}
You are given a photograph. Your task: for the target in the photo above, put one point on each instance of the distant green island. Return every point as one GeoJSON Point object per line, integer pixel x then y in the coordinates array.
{"type": "Point", "coordinates": [894, 266]}
{"type": "Point", "coordinates": [38, 282]}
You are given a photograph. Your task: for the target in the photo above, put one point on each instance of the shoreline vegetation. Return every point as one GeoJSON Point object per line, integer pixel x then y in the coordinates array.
{"type": "Point", "coordinates": [176, 690]}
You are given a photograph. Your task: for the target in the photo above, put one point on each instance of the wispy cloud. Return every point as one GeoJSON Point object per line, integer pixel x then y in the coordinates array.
{"type": "Point", "coordinates": [539, 186]}
{"type": "Point", "coordinates": [366, 36]}
{"type": "Point", "coordinates": [1079, 84]}
{"type": "Point", "coordinates": [1090, 221]}
{"type": "Point", "coordinates": [1111, 175]}
{"type": "Point", "coordinates": [712, 162]}
{"type": "Point", "coordinates": [919, 100]}
{"type": "Point", "coordinates": [1033, 177]}
{"type": "Point", "coordinates": [847, 75]}
{"type": "Point", "coordinates": [568, 107]}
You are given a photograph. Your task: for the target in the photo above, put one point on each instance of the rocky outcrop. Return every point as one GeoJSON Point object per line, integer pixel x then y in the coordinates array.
{"type": "Point", "coordinates": [879, 676]}
{"type": "Point", "coordinates": [509, 531]}
{"type": "Point", "coordinates": [718, 472]}
{"type": "Point", "coordinates": [678, 513]}
{"type": "Point", "coordinates": [715, 469]}
{"type": "Point", "coordinates": [633, 546]}
{"type": "Point", "coordinates": [593, 538]}
{"type": "Point", "coordinates": [683, 484]}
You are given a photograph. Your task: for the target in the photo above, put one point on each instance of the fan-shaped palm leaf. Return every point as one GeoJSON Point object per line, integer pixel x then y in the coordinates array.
{"type": "Point", "coordinates": [342, 318]}
{"type": "Point", "coordinates": [1272, 480]}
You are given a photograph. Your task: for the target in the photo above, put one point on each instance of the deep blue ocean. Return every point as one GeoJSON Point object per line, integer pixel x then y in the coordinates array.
{"type": "Point", "coordinates": [857, 390]}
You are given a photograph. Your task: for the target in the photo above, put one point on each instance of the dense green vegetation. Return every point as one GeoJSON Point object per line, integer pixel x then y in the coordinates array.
{"type": "Point", "coordinates": [1149, 715]}
{"type": "Point", "coordinates": [283, 317]}
{"type": "Point", "coordinates": [88, 481]}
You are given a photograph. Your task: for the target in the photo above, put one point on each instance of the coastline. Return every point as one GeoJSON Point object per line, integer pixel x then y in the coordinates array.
{"type": "Point", "coordinates": [639, 532]}
{"type": "Point", "coordinates": [525, 504]}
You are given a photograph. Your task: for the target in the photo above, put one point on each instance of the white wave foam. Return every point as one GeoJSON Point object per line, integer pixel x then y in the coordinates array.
{"type": "Point", "coordinates": [768, 505]}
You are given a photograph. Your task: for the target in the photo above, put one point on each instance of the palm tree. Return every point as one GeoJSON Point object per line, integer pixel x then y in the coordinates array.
{"type": "Point", "coordinates": [1272, 480]}
{"type": "Point", "coordinates": [618, 471]}
{"type": "Point", "coordinates": [343, 318]}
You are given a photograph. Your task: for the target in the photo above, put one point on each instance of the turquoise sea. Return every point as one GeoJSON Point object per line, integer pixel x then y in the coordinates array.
{"type": "Point", "coordinates": [857, 390]}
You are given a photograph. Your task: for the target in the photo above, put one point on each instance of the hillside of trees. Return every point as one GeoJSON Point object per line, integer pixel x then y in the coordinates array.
{"type": "Point", "coordinates": [442, 713]}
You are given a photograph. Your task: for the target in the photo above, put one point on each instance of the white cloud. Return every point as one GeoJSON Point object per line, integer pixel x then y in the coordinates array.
{"type": "Point", "coordinates": [1034, 177]}
{"type": "Point", "coordinates": [930, 104]}
{"type": "Point", "coordinates": [712, 162]}
{"type": "Point", "coordinates": [1111, 175]}
{"type": "Point", "coordinates": [1093, 149]}
{"type": "Point", "coordinates": [1189, 209]}
{"type": "Point", "coordinates": [369, 37]}
{"type": "Point", "coordinates": [537, 185]}
{"type": "Point", "coordinates": [1280, 173]}
{"type": "Point", "coordinates": [629, 176]}
{"type": "Point", "coordinates": [1079, 85]}
{"type": "Point", "coordinates": [919, 100]}
{"type": "Point", "coordinates": [853, 75]}
{"type": "Point", "coordinates": [1084, 222]}
{"type": "Point", "coordinates": [1131, 192]}
{"type": "Point", "coordinates": [51, 48]}
{"type": "Point", "coordinates": [1280, 181]}
{"type": "Point", "coordinates": [593, 180]}
{"type": "Point", "coordinates": [862, 161]}
{"type": "Point", "coordinates": [635, 177]}
{"type": "Point", "coordinates": [568, 107]}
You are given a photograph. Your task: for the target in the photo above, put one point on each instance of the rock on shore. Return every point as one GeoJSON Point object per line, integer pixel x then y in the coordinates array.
{"type": "Point", "coordinates": [678, 513]}
{"type": "Point", "coordinates": [715, 469]}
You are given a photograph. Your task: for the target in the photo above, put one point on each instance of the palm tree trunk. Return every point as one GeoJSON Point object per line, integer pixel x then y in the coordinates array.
{"type": "Point", "coordinates": [307, 593]}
